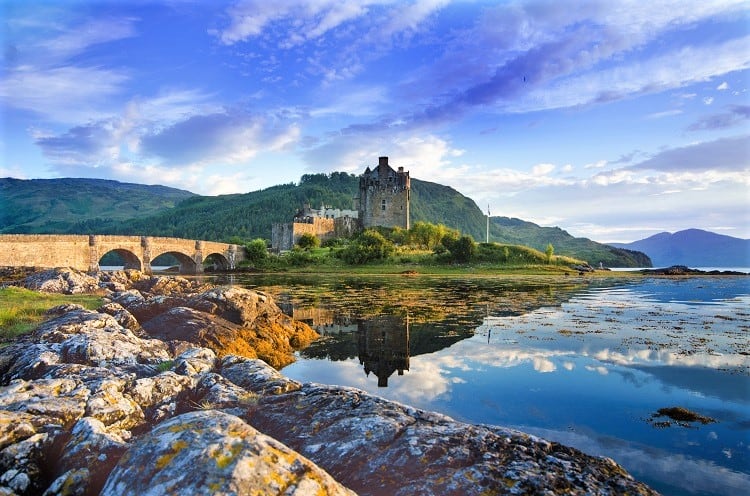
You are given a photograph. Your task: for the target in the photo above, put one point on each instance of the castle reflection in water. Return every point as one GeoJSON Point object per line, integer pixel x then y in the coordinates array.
{"type": "Point", "coordinates": [382, 340]}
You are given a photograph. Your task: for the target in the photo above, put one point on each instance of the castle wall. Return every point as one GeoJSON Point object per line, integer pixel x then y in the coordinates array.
{"type": "Point", "coordinates": [285, 236]}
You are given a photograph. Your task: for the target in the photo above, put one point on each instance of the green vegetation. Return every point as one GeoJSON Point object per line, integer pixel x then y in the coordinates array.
{"type": "Point", "coordinates": [21, 310]}
{"type": "Point", "coordinates": [106, 207]}
{"type": "Point", "coordinates": [78, 206]}
{"type": "Point", "coordinates": [367, 246]}
{"type": "Point", "coordinates": [308, 241]}
{"type": "Point", "coordinates": [395, 250]}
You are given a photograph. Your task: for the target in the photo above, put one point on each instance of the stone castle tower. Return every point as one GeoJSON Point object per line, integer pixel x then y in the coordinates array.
{"type": "Point", "coordinates": [384, 196]}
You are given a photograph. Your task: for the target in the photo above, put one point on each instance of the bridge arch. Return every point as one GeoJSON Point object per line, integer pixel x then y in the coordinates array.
{"type": "Point", "coordinates": [83, 252]}
{"type": "Point", "coordinates": [129, 259]}
{"type": "Point", "coordinates": [187, 264]}
{"type": "Point", "coordinates": [218, 261]}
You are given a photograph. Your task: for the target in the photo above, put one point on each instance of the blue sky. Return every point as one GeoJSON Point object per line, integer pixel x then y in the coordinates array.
{"type": "Point", "coordinates": [613, 120]}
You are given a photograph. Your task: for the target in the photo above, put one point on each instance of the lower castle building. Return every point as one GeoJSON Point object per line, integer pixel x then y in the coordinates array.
{"type": "Point", "coordinates": [384, 196]}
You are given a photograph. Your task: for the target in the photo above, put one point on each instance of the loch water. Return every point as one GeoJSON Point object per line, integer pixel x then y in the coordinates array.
{"type": "Point", "coordinates": [584, 361]}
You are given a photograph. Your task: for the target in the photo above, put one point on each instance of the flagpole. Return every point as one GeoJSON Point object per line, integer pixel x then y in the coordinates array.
{"type": "Point", "coordinates": [488, 223]}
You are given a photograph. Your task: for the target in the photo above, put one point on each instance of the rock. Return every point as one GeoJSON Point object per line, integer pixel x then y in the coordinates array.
{"type": "Point", "coordinates": [74, 482]}
{"type": "Point", "coordinates": [271, 340]}
{"type": "Point", "coordinates": [211, 452]}
{"type": "Point", "coordinates": [127, 298]}
{"type": "Point", "coordinates": [53, 401]}
{"type": "Point", "coordinates": [148, 308]}
{"type": "Point", "coordinates": [376, 446]}
{"type": "Point", "coordinates": [121, 315]}
{"type": "Point", "coordinates": [158, 396]}
{"type": "Point", "coordinates": [63, 309]}
{"type": "Point", "coordinates": [17, 426]}
{"type": "Point", "coordinates": [62, 280]}
{"type": "Point", "coordinates": [97, 339]}
{"type": "Point", "coordinates": [256, 376]}
{"type": "Point", "coordinates": [109, 405]}
{"type": "Point", "coordinates": [195, 361]}
{"type": "Point", "coordinates": [21, 465]}
{"type": "Point", "coordinates": [27, 360]}
{"type": "Point", "coordinates": [235, 304]}
{"type": "Point", "coordinates": [88, 456]}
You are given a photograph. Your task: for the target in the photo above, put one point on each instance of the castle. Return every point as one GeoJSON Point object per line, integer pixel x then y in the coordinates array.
{"type": "Point", "coordinates": [384, 196]}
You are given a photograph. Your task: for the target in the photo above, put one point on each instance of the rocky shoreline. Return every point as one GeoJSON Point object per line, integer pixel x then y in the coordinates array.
{"type": "Point", "coordinates": [167, 389]}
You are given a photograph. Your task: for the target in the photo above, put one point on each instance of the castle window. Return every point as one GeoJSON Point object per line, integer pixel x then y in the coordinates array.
{"type": "Point", "coordinates": [382, 205]}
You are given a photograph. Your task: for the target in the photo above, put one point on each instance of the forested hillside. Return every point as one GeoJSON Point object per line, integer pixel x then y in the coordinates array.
{"type": "Point", "coordinates": [59, 206]}
{"type": "Point", "coordinates": [90, 206]}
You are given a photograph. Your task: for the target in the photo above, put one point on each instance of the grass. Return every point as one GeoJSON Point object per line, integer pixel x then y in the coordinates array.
{"type": "Point", "coordinates": [22, 310]}
{"type": "Point", "coordinates": [521, 261]}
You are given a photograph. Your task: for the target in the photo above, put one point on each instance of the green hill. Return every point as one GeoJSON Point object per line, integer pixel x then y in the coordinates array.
{"type": "Point", "coordinates": [59, 206]}
{"type": "Point", "coordinates": [91, 206]}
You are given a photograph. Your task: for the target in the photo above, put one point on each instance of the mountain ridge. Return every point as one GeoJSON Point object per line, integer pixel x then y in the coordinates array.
{"type": "Point", "coordinates": [78, 206]}
{"type": "Point", "coordinates": [694, 248]}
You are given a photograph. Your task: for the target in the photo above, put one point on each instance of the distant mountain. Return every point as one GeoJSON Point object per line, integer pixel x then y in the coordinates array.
{"type": "Point", "coordinates": [58, 206]}
{"type": "Point", "coordinates": [694, 248]}
{"type": "Point", "coordinates": [94, 206]}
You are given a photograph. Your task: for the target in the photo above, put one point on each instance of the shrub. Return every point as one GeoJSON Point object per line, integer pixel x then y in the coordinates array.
{"type": "Point", "coordinates": [308, 241]}
{"type": "Point", "coordinates": [368, 246]}
{"type": "Point", "coordinates": [257, 251]}
{"type": "Point", "coordinates": [461, 249]}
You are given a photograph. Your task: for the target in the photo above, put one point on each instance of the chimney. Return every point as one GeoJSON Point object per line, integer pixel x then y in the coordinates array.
{"type": "Point", "coordinates": [401, 169]}
{"type": "Point", "coordinates": [382, 161]}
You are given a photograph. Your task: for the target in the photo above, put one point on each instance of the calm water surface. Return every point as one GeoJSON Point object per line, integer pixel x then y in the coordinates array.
{"type": "Point", "coordinates": [584, 362]}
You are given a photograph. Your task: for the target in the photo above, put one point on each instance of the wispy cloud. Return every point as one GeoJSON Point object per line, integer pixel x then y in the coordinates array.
{"type": "Point", "coordinates": [735, 115]}
{"type": "Point", "coordinates": [43, 75]}
{"type": "Point", "coordinates": [226, 137]}
{"type": "Point", "coordinates": [725, 154]}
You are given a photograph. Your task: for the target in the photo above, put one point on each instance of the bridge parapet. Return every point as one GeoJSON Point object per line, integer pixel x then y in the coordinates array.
{"type": "Point", "coordinates": [83, 252]}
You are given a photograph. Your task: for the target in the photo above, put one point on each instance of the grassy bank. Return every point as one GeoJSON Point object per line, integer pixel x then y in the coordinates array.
{"type": "Point", "coordinates": [511, 261]}
{"type": "Point", "coordinates": [21, 310]}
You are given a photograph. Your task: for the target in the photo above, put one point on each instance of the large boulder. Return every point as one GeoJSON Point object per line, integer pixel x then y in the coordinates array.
{"type": "Point", "coordinates": [62, 280]}
{"type": "Point", "coordinates": [210, 452]}
{"type": "Point", "coordinates": [230, 321]}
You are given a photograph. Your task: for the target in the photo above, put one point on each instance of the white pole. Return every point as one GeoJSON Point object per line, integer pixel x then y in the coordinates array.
{"type": "Point", "coordinates": [488, 223]}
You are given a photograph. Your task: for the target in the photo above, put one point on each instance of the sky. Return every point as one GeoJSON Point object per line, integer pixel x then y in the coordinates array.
{"type": "Point", "coordinates": [614, 120]}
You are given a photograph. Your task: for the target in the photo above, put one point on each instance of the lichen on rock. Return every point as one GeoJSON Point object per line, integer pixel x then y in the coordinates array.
{"type": "Point", "coordinates": [211, 452]}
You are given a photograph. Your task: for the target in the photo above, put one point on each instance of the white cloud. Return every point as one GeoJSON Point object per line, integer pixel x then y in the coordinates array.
{"type": "Point", "coordinates": [708, 100]}
{"type": "Point", "coordinates": [542, 169]}
{"type": "Point", "coordinates": [62, 94]}
{"type": "Point", "coordinates": [306, 21]}
{"type": "Point", "coordinates": [723, 86]}
{"type": "Point", "coordinates": [665, 113]}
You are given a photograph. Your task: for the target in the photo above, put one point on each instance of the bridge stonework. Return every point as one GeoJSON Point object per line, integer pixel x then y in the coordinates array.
{"type": "Point", "coordinates": [83, 252]}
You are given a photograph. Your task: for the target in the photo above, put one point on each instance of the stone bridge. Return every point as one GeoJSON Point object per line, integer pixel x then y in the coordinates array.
{"type": "Point", "coordinates": [83, 252]}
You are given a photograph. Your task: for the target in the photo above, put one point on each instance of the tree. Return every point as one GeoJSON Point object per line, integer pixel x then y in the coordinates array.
{"type": "Point", "coordinates": [549, 252]}
{"type": "Point", "coordinates": [429, 235]}
{"type": "Point", "coordinates": [257, 251]}
{"type": "Point", "coordinates": [461, 249]}
{"type": "Point", "coordinates": [368, 246]}
{"type": "Point", "coordinates": [308, 241]}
